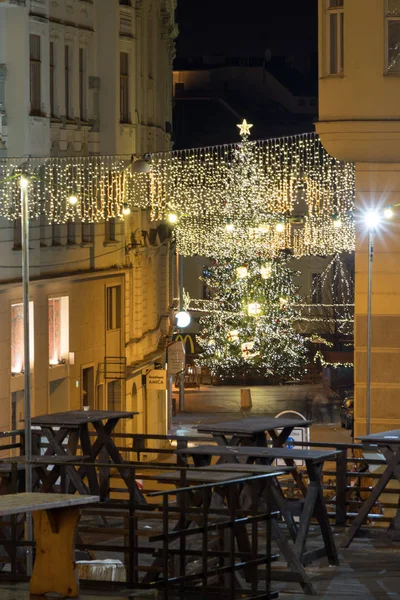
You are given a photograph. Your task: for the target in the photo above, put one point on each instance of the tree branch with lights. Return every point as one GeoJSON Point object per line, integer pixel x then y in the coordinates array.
{"type": "Point", "coordinates": [253, 333]}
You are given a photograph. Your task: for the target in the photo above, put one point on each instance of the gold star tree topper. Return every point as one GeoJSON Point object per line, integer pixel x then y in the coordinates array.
{"type": "Point", "coordinates": [244, 128]}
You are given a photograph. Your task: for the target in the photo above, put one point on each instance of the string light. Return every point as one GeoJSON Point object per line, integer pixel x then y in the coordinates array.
{"type": "Point", "coordinates": [388, 212]}
{"type": "Point", "coordinates": [23, 182]}
{"type": "Point", "coordinates": [172, 218]}
{"type": "Point", "coordinates": [230, 199]}
{"type": "Point", "coordinates": [254, 309]}
{"type": "Point", "coordinates": [73, 200]}
{"type": "Point", "coordinates": [241, 272]}
{"type": "Point", "coordinates": [251, 331]}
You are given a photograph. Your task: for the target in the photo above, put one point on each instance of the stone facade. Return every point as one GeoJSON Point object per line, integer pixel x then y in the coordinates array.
{"type": "Point", "coordinates": [359, 121]}
{"type": "Point", "coordinates": [114, 280]}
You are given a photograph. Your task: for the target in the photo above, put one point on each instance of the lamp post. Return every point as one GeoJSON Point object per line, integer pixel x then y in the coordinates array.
{"type": "Point", "coordinates": [371, 232]}
{"type": "Point", "coordinates": [25, 302]}
{"type": "Point", "coordinates": [24, 182]}
{"type": "Point", "coordinates": [182, 320]}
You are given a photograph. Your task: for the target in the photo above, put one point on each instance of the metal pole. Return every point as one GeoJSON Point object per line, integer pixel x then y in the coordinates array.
{"type": "Point", "coordinates": [182, 375]}
{"type": "Point", "coordinates": [27, 361]}
{"type": "Point", "coordinates": [369, 326]}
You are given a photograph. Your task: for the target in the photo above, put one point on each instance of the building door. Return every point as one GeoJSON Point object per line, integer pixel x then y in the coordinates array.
{"type": "Point", "coordinates": [88, 398]}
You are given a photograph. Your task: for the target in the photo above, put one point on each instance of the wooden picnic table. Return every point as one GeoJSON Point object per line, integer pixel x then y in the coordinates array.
{"type": "Point", "coordinates": [73, 426]}
{"type": "Point", "coordinates": [55, 517]}
{"type": "Point", "coordinates": [313, 504]}
{"type": "Point", "coordinates": [222, 473]}
{"type": "Point", "coordinates": [388, 444]}
{"type": "Point", "coordinates": [44, 479]}
{"type": "Point", "coordinates": [251, 431]}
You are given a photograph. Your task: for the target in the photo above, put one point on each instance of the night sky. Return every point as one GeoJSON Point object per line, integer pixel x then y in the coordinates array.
{"type": "Point", "coordinates": [232, 28]}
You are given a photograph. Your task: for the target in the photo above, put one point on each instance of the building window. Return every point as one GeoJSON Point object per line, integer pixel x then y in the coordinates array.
{"type": "Point", "coordinates": [17, 337]}
{"type": "Point", "coordinates": [113, 307]}
{"type": "Point", "coordinates": [34, 67]}
{"type": "Point", "coordinates": [82, 90]}
{"type": "Point", "coordinates": [58, 330]}
{"type": "Point", "coordinates": [17, 239]}
{"type": "Point", "coordinates": [110, 230]}
{"type": "Point", "coordinates": [335, 37]}
{"type": "Point", "coordinates": [393, 36]}
{"type": "Point", "coordinates": [52, 81]}
{"type": "Point", "coordinates": [124, 87]}
{"type": "Point", "coordinates": [316, 288]}
{"type": "Point", "coordinates": [67, 80]}
{"type": "Point", "coordinates": [125, 2]}
{"type": "Point", "coordinates": [87, 233]}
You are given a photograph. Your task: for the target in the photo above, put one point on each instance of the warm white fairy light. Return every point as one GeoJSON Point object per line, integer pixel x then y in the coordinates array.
{"type": "Point", "coordinates": [73, 200]}
{"type": "Point", "coordinates": [388, 212]}
{"type": "Point", "coordinates": [253, 309]}
{"type": "Point", "coordinates": [172, 218]}
{"type": "Point", "coordinates": [265, 271]}
{"type": "Point", "coordinates": [241, 272]}
{"type": "Point", "coordinates": [230, 199]}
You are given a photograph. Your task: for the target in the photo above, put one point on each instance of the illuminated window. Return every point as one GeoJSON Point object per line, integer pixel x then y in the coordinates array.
{"type": "Point", "coordinates": [335, 37]}
{"type": "Point", "coordinates": [58, 330]}
{"type": "Point", "coordinates": [17, 337]}
{"type": "Point", "coordinates": [393, 36]}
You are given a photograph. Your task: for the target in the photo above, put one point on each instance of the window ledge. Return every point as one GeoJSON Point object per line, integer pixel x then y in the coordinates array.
{"type": "Point", "coordinates": [333, 76]}
{"type": "Point", "coordinates": [72, 245]}
{"type": "Point", "coordinates": [110, 243]}
{"type": "Point", "coordinates": [86, 245]}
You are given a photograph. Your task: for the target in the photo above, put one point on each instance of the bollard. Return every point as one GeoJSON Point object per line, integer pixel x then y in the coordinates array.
{"type": "Point", "coordinates": [245, 399]}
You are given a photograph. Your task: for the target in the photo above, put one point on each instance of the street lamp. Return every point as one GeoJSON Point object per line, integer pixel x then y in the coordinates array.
{"type": "Point", "coordinates": [372, 220]}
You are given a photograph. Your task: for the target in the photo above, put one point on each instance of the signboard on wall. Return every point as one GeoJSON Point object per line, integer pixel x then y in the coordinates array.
{"type": "Point", "coordinates": [156, 379]}
{"type": "Point", "coordinates": [176, 357]}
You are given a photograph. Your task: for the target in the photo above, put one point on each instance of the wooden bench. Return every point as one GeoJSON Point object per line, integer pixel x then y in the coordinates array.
{"type": "Point", "coordinates": [55, 517]}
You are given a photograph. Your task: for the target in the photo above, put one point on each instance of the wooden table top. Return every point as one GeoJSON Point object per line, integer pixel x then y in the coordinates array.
{"type": "Point", "coordinates": [252, 425]}
{"type": "Point", "coordinates": [314, 456]}
{"type": "Point", "coordinates": [391, 437]}
{"type": "Point", "coordinates": [210, 476]}
{"type": "Point", "coordinates": [44, 460]}
{"type": "Point", "coordinates": [26, 502]}
{"type": "Point", "coordinates": [74, 418]}
{"type": "Point", "coordinates": [248, 469]}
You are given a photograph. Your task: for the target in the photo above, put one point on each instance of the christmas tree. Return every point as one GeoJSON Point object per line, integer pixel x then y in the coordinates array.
{"type": "Point", "coordinates": [250, 329]}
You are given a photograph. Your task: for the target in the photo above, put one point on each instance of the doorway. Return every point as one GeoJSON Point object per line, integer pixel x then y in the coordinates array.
{"type": "Point", "coordinates": [88, 398]}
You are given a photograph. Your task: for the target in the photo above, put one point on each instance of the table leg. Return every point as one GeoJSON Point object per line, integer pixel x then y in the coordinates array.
{"type": "Point", "coordinates": [54, 569]}
{"type": "Point", "coordinates": [55, 440]}
{"type": "Point", "coordinates": [104, 441]}
{"type": "Point", "coordinates": [278, 439]}
{"type": "Point", "coordinates": [87, 451]}
{"type": "Point", "coordinates": [314, 505]}
{"type": "Point", "coordinates": [372, 498]}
